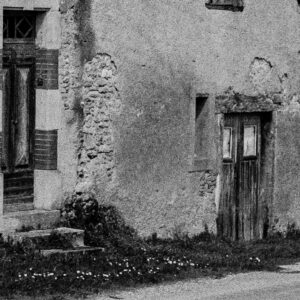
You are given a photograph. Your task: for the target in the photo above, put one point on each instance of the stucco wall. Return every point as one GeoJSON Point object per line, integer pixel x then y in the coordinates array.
{"type": "Point", "coordinates": [165, 52]}
{"type": "Point", "coordinates": [286, 209]}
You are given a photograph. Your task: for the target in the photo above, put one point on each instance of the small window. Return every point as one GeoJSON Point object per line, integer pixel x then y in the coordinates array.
{"type": "Point", "coordinates": [227, 143]}
{"type": "Point", "coordinates": [201, 125]}
{"type": "Point", "coordinates": [18, 25]}
{"type": "Point", "coordinates": [233, 5]}
{"type": "Point", "coordinates": [250, 137]}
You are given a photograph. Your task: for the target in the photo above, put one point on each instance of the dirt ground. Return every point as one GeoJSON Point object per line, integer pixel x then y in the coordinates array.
{"type": "Point", "coordinates": [256, 285]}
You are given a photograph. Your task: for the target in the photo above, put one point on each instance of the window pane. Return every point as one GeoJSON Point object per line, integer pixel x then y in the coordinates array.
{"type": "Point", "coordinates": [250, 133]}
{"type": "Point", "coordinates": [227, 143]}
{"type": "Point", "coordinates": [19, 26]}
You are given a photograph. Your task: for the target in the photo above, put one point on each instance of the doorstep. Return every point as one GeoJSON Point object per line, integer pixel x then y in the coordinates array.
{"type": "Point", "coordinates": [81, 250]}
{"type": "Point", "coordinates": [33, 219]}
{"type": "Point", "coordinates": [38, 237]}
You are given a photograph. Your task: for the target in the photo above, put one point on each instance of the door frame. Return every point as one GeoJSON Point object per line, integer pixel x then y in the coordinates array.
{"type": "Point", "coordinates": [233, 230]}
{"type": "Point", "coordinates": [18, 183]}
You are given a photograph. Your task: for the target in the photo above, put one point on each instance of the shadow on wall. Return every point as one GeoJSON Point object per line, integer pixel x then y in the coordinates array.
{"type": "Point", "coordinates": [85, 38]}
{"type": "Point", "coordinates": [85, 35]}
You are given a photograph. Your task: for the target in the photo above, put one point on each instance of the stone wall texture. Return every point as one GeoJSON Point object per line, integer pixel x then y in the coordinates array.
{"type": "Point", "coordinates": [100, 105]}
{"type": "Point", "coordinates": [129, 74]}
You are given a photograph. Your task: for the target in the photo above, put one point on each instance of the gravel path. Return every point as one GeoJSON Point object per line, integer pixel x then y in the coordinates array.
{"type": "Point", "coordinates": [256, 285]}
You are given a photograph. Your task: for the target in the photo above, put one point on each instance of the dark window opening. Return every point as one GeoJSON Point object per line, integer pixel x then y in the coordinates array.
{"type": "Point", "coordinates": [204, 151]}
{"type": "Point", "coordinates": [233, 5]}
{"type": "Point", "coordinates": [200, 101]}
{"type": "Point", "coordinates": [18, 25]}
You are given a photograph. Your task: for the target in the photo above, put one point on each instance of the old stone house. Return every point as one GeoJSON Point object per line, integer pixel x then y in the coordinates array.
{"type": "Point", "coordinates": [183, 114]}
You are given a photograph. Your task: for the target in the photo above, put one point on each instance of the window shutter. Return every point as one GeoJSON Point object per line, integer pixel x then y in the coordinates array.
{"type": "Point", "coordinates": [45, 150]}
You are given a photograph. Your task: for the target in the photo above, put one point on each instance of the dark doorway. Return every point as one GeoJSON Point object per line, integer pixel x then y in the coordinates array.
{"type": "Point", "coordinates": [239, 204]}
{"type": "Point", "coordinates": [18, 111]}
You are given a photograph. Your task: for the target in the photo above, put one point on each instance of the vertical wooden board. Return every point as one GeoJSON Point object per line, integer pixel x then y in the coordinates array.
{"type": "Point", "coordinates": [247, 200]}
{"type": "Point", "coordinates": [255, 204]}
{"type": "Point", "coordinates": [233, 202]}
{"type": "Point", "coordinates": [240, 202]}
{"type": "Point", "coordinates": [6, 114]}
{"type": "Point", "coordinates": [252, 200]}
{"type": "Point", "coordinates": [223, 206]}
{"type": "Point", "coordinates": [249, 186]}
{"type": "Point", "coordinates": [228, 208]}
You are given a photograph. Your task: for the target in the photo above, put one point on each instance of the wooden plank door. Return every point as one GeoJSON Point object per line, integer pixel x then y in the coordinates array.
{"type": "Point", "coordinates": [238, 211]}
{"type": "Point", "coordinates": [18, 128]}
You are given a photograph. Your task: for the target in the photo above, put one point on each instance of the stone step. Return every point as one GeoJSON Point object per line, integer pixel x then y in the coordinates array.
{"type": "Point", "coordinates": [32, 219]}
{"type": "Point", "coordinates": [40, 237]}
{"type": "Point", "coordinates": [81, 250]}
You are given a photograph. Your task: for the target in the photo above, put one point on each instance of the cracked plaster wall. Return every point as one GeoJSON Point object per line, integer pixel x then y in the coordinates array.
{"type": "Point", "coordinates": [163, 53]}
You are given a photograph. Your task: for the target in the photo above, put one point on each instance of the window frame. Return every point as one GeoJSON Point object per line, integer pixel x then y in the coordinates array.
{"type": "Point", "coordinates": [19, 13]}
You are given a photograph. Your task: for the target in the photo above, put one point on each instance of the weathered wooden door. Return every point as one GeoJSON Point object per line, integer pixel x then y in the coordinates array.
{"type": "Point", "coordinates": [239, 207]}
{"type": "Point", "coordinates": [18, 128]}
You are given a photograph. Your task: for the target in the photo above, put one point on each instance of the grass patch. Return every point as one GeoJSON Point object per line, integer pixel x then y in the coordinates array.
{"type": "Point", "coordinates": [129, 260]}
{"type": "Point", "coordinates": [30, 273]}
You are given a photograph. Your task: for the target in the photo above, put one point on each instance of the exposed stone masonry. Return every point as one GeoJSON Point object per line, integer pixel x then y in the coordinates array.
{"type": "Point", "coordinates": [100, 102]}
{"type": "Point", "coordinates": [90, 100]}
{"type": "Point", "coordinates": [207, 183]}
{"type": "Point", "coordinates": [69, 61]}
